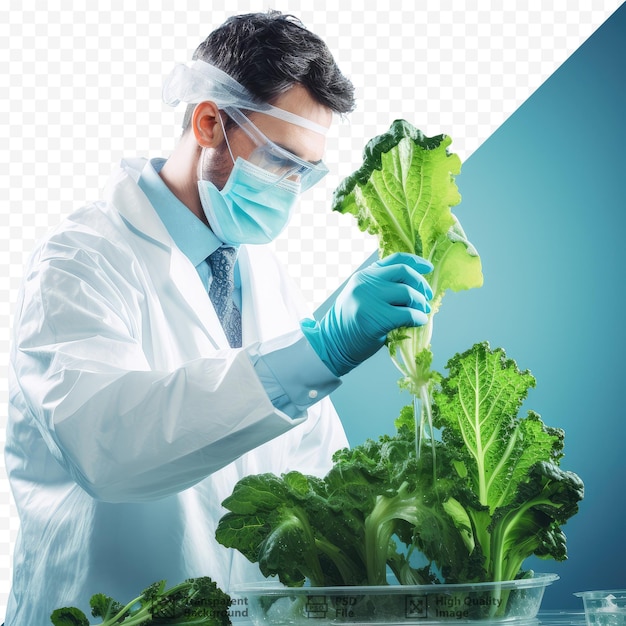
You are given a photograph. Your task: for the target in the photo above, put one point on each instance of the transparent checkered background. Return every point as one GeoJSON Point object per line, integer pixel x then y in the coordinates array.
{"type": "Point", "coordinates": [81, 90]}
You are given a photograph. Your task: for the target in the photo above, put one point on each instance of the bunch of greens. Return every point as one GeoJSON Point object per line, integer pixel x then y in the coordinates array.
{"type": "Point", "coordinates": [195, 601]}
{"type": "Point", "coordinates": [488, 491]}
{"type": "Point", "coordinates": [402, 193]}
{"type": "Point", "coordinates": [500, 495]}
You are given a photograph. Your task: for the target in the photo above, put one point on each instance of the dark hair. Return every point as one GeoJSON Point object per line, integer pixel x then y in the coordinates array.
{"type": "Point", "coordinates": [270, 52]}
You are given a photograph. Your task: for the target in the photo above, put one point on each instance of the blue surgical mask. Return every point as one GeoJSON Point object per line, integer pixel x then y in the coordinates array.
{"type": "Point", "coordinates": [253, 207]}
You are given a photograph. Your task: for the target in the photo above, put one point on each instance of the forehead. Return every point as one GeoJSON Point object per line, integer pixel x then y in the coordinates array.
{"type": "Point", "coordinates": [305, 143]}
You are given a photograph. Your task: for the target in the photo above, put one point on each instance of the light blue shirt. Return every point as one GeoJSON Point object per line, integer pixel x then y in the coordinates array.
{"type": "Point", "coordinates": [281, 371]}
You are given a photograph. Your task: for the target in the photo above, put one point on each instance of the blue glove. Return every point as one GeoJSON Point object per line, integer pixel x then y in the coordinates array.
{"type": "Point", "coordinates": [390, 293]}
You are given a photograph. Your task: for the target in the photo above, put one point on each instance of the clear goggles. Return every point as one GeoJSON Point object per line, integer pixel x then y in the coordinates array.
{"type": "Point", "coordinates": [276, 160]}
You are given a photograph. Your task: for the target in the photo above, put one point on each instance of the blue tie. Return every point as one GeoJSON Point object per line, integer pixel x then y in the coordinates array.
{"type": "Point", "coordinates": [222, 264]}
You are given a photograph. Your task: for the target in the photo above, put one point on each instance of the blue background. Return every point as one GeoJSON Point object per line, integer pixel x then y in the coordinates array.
{"type": "Point", "coordinates": [544, 203]}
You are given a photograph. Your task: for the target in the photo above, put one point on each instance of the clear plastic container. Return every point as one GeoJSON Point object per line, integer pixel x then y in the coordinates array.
{"type": "Point", "coordinates": [516, 601]}
{"type": "Point", "coordinates": [604, 607]}
{"type": "Point", "coordinates": [561, 618]}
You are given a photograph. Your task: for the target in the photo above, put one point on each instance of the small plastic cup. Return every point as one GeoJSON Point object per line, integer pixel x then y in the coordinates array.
{"type": "Point", "coordinates": [604, 607]}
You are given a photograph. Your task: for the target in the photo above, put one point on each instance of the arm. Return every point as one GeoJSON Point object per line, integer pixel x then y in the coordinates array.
{"type": "Point", "coordinates": [121, 428]}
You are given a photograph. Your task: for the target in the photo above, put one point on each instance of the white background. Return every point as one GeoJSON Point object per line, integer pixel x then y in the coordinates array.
{"type": "Point", "coordinates": [81, 89]}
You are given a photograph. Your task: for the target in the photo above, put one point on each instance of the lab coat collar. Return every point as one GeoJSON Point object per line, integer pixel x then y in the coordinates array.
{"type": "Point", "coordinates": [131, 203]}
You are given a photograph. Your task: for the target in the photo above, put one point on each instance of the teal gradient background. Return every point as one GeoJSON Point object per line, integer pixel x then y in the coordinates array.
{"type": "Point", "coordinates": [544, 203]}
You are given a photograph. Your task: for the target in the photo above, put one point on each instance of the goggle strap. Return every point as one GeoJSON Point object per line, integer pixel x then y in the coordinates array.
{"type": "Point", "coordinates": [292, 118]}
{"type": "Point", "coordinates": [202, 81]}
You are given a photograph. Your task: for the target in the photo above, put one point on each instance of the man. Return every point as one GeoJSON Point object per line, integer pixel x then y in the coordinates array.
{"type": "Point", "coordinates": [142, 387]}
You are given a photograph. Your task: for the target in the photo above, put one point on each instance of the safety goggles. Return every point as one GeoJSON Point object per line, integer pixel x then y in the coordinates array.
{"type": "Point", "coordinates": [276, 160]}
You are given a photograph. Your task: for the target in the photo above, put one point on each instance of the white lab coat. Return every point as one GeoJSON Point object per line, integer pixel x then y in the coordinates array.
{"type": "Point", "coordinates": [130, 418]}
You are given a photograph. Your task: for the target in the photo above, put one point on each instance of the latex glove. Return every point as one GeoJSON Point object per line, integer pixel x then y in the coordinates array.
{"type": "Point", "coordinates": [390, 293]}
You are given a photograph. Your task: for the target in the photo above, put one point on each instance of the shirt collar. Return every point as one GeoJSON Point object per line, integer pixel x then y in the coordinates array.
{"type": "Point", "coordinates": [194, 238]}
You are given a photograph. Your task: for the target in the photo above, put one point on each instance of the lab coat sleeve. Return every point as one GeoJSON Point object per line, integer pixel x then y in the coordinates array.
{"type": "Point", "coordinates": [124, 430]}
{"type": "Point", "coordinates": [293, 376]}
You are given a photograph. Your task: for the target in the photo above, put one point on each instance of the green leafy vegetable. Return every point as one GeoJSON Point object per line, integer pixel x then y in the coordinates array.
{"type": "Point", "coordinates": [330, 532]}
{"type": "Point", "coordinates": [288, 525]}
{"type": "Point", "coordinates": [69, 616]}
{"type": "Point", "coordinates": [507, 470]}
{"type": "Point", "coordinates": [500, 495]}
{"type": "Point", "coordinates": [195, 601]}
{"type": "Point", "coordinates": [402, 194]}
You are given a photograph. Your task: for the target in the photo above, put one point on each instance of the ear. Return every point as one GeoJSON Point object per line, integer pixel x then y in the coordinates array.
{"type": "Point", "coordinates": [206, 125]}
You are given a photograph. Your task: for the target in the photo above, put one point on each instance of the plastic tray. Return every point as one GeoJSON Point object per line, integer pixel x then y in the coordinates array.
{"type": "Point", "coordinates": [271, 604]}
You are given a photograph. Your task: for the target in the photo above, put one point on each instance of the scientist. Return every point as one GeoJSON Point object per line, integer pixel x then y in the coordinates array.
{"type": "Point", "coordinates": [160, 352]}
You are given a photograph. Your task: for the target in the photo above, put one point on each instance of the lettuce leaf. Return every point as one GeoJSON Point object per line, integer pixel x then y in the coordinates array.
{"type": "Point", "coordinates": [403, 194]}
{"type": "Point", "coordinates": [508, 477]}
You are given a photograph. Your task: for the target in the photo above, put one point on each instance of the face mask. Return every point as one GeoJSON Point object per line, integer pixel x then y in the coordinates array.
{"type": "Point", "coordinates": [253, 207]}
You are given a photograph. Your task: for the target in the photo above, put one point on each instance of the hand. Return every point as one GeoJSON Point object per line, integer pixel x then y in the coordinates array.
{"type": "Point", "coordinates": [390, 293]}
